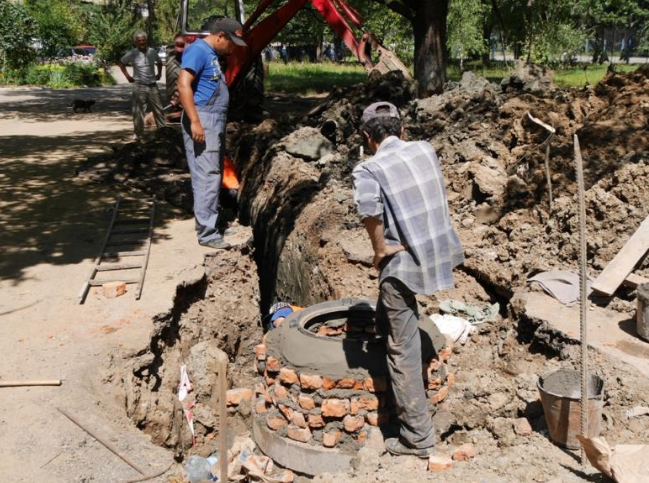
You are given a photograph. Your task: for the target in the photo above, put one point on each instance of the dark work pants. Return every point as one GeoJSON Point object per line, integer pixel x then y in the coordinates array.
{"type": "Point", "coordinates": [397, 319]}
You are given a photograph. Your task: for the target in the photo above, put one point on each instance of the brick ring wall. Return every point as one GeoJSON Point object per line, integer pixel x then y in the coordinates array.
{"type": "Point", "coordinates": [314, 409]}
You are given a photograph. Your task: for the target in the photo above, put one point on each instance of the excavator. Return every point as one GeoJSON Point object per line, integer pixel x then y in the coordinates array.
{"type": "Point", "coordinates": [244, 69]}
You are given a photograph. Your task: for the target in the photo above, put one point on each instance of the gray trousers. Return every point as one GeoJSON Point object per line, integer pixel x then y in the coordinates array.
{"type": "Point", "coordinates": [205, 162]}
{"type": "Point", "coordinates": [397, 319]}
{"type": "Point", "coordinates": [144, 95]}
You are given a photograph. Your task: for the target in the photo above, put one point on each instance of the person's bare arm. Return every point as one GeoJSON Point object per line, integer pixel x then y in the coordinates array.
{"type": "Point", "coordinates": [122, 67]}
{"type": "Point", "coordinates": [374, 228]}
{"type": "Point", "coordinates": [187, 100]}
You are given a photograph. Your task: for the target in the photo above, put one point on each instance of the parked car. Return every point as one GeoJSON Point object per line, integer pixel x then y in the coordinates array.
{"type": "Point", "coordinates": [73, 52]}
{"type": "Point", "coordinates": [91, 49]}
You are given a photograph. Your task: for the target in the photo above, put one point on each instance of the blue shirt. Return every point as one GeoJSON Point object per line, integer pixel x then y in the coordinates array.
{"type": "Point", "coordinates": [402, 185]}
{"type": "Point", "coordinates": [202, 61]}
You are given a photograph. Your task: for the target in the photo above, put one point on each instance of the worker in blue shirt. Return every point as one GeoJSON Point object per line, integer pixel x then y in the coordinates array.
{"type": "Point", "coordinates": [205, 99]}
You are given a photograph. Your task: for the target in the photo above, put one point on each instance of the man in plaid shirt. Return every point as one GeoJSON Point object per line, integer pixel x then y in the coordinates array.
{"type": "Point", "coordinates": [401, 198]}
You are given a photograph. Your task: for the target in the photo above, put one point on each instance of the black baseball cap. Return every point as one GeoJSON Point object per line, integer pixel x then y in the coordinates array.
{"type": "Point", "coordinates": [229, 27]}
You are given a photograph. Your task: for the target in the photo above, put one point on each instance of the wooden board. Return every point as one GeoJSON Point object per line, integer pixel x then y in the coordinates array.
{"type": "Point", "coordinates": [634, 280]}
{"type": "Point", "coordinates": [624, 262]}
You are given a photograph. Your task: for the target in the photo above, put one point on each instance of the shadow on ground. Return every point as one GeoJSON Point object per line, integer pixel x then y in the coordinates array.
{"type": "Point", "coordinates": [47, 214]}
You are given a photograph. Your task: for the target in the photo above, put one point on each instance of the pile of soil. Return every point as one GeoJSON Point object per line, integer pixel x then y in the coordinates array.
{"type": "Point", "coordinates": [309, 247]}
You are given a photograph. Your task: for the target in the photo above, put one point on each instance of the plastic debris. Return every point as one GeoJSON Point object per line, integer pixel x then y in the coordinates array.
{"type": "Point", "coordinates": [456, 328]}
{"type": "Point", "coordinates": [637, 411]}
{"type": "Point", "coordinates": [199, 469]}
{"type": "Point", "coordinates": [472, 312]}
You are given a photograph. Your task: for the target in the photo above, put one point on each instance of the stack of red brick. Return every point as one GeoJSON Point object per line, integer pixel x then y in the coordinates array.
{"type": "Point", "coordinates": [313, 408]}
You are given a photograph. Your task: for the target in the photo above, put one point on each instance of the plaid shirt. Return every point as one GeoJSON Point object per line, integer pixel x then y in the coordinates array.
{"type": "Point", "coordinates": [402, 185]}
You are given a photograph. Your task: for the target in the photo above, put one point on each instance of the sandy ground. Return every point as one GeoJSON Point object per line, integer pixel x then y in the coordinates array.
{"type": "Point", "coordinates": [52, 226]}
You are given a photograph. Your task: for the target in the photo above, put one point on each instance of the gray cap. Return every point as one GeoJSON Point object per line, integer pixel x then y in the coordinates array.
{"type": "Point", "coordinates": [380, 109]}
{"type": "Point", "coordinates": [231, 28]}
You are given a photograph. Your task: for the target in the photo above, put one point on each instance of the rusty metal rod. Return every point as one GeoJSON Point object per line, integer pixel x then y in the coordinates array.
{"type": "Point", "coordinates": [107, 444]}
{"type": "Point", "coordinates": [584, 295]}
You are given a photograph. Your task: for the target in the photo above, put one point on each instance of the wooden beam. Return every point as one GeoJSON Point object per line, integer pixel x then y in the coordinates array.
{"type": "Point", "coordinates": [624, 262]}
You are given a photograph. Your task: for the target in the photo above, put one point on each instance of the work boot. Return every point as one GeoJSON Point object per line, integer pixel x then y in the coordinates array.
{"type": "Point", "coordinates": [217, 244]}
{"type": "Point", "coordinates": [396, 447]}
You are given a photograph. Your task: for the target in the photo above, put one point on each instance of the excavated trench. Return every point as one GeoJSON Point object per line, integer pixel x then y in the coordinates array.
{"type": "Point", "coordinates": [310, 247]}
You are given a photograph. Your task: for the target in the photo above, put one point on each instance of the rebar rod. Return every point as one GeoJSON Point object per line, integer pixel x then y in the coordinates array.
{"type": "Point", "coordinates": [583, 309]}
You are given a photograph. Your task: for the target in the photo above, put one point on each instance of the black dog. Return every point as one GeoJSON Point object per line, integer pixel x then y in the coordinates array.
{"type": "Point", "coordinates": [85, 106]}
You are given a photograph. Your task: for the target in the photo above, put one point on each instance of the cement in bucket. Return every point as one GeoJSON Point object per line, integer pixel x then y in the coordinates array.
{"type": "Point", "coordinates": [560, 395]}
{"type": "Point", "coordinates": [643, 311]}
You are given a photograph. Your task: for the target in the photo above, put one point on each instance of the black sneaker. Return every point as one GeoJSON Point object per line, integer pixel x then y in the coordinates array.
{"type": "Point", "coordinates": [217, 244]}
{"type": "Point", "coordinates": [396, 447]}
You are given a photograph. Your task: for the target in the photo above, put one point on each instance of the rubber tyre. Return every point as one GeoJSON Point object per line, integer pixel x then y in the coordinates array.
{"type": "Point", "coordinates": [172, 72]}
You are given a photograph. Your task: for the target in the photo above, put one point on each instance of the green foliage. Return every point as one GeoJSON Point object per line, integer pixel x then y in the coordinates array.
{"type": "Point", "coordinates": [17, 28]}
{"type": "Point", "coordinates": [58, 75]}
{"type": "Point", "coordinates": [465, 22]}
{"type": "Point", "coordinates": [308, 78]}
{"type": "Point", "coordinates": [58, 24]}
{"type": "Point", "coordinates": [111, 27]}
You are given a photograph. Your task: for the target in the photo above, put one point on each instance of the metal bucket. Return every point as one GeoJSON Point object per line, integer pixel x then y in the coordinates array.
{"type": "Point", "coordinates": [560, 395]}
{"type": "Point", "coordinates": [643, 311]}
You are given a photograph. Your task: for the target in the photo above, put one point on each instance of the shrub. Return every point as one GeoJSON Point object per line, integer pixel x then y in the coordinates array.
{"type": "Point", "coordinates": [58, 75]}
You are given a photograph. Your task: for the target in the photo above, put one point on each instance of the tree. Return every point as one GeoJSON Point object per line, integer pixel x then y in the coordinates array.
{"type": "Point", "coordinates": [429, 21]}
{"type": "Point", "coordinates": [111, 28]}
{"type": "Point", "coordinates": [466, 23]}
{"type": "Point", "coordinates": [17, 28]}
{"type": "Point", "coordinates": [58, 24]}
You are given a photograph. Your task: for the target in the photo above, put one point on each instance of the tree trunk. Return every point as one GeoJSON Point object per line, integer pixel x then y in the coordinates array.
{"type": "Point", "coordinates": [429, 27]}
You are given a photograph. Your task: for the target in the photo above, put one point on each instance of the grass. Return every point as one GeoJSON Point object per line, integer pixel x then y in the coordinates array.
{"type": "Point", "coordinates": [309, 79]}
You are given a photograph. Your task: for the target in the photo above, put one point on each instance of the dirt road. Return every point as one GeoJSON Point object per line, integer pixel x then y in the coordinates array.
{"type": "Point", "coordinates": [52, 225]}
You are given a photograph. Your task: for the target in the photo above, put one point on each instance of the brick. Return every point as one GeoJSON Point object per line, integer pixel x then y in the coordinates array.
{"type": "Point", "coordinates": [522, 427]}
{"type": "Point", "coordinates": [445, 354]}
{"type": "Point", "coordinates": [280, 391]}
{"type": "Point", "coordinates": [263, 391]}
{"type": "Point", "coordinates": [440, 396]}
{"type": "Point", "coordinates": [310, 382]}
{"type": "Point", "coordinates": [439, 462]}
{"type": "Point", "coordinates": [368, 403]}
{"type": "Point", "coordinates": [354, 406]}
{"type": "Point", "coordinates": [298, 419]}
{"type": "Point", "coordinates": [260, 352]}
{"type": "Point", "coordinates": [272, 364]}
{"type": "Point", "coordinates": [260, 406]}
{"type": "Point", "coordinates": [464, 452]}
{"type": "Point", "coordinates": [434, 365]}
{"type": "Point", "coordinates": [331, 438]}
{"type": "Point", "coordinates": [353, 423]}
{"type": "Point", "coordinates": [450, 380]}
{"type": "Point", "coordinates": [375, 384]}
{"type": "Point", "coordinates": [234, 397]}
{"type": "Point", "coordinates": [268, 379]}
{"type": "Point", "coordinates": [358, 385]}
{"type": "Point", "coordinates": [113, 289]}
{"type": "Point", "coordinates": [306, 402]}
{"type": "Point", "coordinates": [328, 384]}
{"type": "Point", "coordinates": [275, 422]}
{"type": "Point", "coordinates": [361, 437]}
{"type": "Point", "coordinates": [325, 331]}
{"type": "Point", "coordinates": [346, 383]}
{"type": "Point", "coordinates": [299, 434]}
{"type": "Point", "coordinates": [288, 376]}
{"type": "Point", "coordinates": [372, 418]}
{"type": "Point", "coordinates": [434, 383]}
{"type": "Point", "coordinates": [286, 411]}
{"type": "Point", "coordinates": [315, 421]}
{"type": "Point", "coordinates": [335, 408]}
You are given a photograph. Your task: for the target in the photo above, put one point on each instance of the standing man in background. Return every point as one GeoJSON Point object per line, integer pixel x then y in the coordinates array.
{"type": "Point", "coordinates": [145, 90]}
{"type": "Point", "coordinates": [401, 199]}
{"type": "Point", "coordinates": [205, 99]}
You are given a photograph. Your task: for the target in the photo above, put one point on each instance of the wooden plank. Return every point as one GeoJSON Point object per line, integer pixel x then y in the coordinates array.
{"type": "Point", "coordinates": [98, 283]}
{"type": "Point", "coordinates": [624, 262]}
{"type": "Point", "coordinates": [634, 280]}
{"type": "Point", "coordinates": [123, 254]}
{"type": "Point", "coordinates": [123, 266]}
